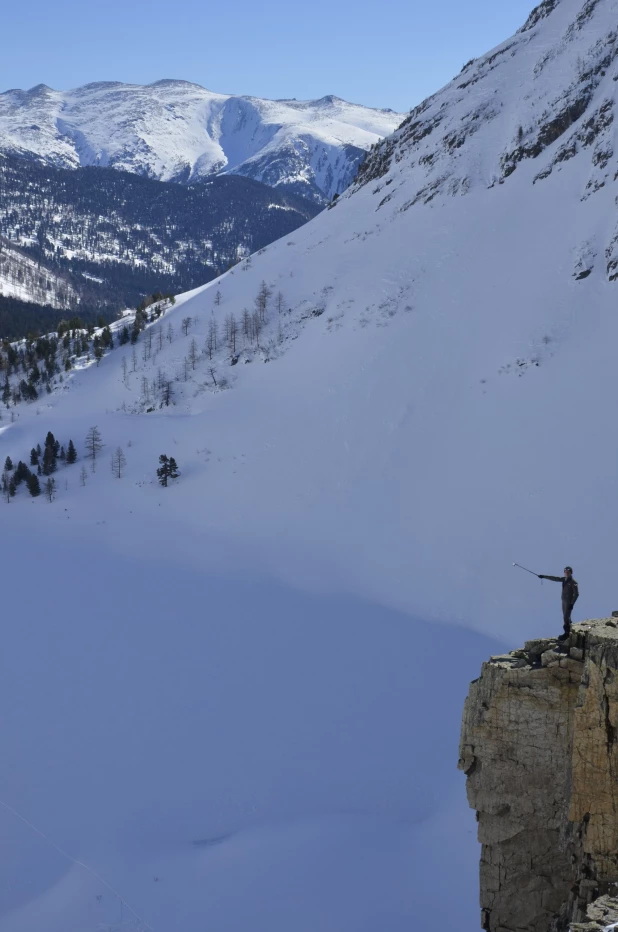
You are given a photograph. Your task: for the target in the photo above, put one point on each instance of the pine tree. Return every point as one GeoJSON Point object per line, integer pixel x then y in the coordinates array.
{"type": "Point", "coordinates": [21, 473]}
{"type": "Point", "coordinates": [12, 488]}
{"type": "Point", "coordinates": [49, 461]}
{"type": "Point", "coordinates": [50, 454]}
{"type": "Point", "coordinates": [167, 470]}
{"type": "Point", "coordinates": [33, 485]}
{"type": "Point", "coordinates": [163, 472]}
{"type": "Point", "coordinates": [34, 457]}
{"type": "Point", "coordinates": [8, 464]}
{"type": "Point", "coordinates": [62, 454]}
{"type": "Point", "coordinates": [71, 453]}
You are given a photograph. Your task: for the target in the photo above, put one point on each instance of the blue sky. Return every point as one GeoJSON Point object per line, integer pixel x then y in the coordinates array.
{"type": "Point", "coordinates": [386, 54]}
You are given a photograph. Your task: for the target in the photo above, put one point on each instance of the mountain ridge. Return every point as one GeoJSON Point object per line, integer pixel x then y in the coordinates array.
{"type": "Point", "coordinates": [175, 130]}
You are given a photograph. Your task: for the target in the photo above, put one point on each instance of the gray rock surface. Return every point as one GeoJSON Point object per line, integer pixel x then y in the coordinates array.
{"type": "Point", "coordinates": [540, 753]}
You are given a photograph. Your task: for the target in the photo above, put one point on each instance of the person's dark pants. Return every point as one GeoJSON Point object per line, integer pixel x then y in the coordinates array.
{"type": "Point", "coordinates": [566, 614]}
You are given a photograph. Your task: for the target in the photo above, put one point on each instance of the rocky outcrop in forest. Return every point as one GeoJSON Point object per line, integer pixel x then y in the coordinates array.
{"type": "Point", "coordinates": [540, 752]}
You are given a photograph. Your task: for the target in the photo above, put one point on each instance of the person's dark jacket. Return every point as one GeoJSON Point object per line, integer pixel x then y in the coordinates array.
{"type": "Point", "coordinates": [570, 589]}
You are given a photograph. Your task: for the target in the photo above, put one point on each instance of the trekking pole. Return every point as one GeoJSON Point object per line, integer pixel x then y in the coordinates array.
{"type": "Point", "coordinates": [525, 568]}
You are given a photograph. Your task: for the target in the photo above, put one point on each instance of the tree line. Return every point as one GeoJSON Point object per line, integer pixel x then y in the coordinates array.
{"type": "Point", "coordinates": [39, 477]}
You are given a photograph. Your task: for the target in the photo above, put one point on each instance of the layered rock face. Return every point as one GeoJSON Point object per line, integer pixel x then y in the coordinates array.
{"type": "Point", "coordinates": [539, 747]}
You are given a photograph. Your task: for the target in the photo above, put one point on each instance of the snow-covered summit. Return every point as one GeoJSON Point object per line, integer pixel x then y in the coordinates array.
{"type": "Point", "coordinates": [178, 131]}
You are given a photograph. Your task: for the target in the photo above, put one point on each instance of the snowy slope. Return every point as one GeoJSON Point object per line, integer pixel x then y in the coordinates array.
{"type": "Point", "coordinates": [178, 131]}
{"type": "Point", "coordinates": [269, 657]}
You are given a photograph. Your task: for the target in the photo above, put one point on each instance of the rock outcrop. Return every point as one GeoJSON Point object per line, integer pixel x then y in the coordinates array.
{"type": "Point", "coordinates": [539, 747]}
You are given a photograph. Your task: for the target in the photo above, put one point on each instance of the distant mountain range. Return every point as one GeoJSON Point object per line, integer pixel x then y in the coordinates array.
{"type": "Point", "coordinates": [98, 238]}
{"type": "Point", "coordinates": [181, 132]}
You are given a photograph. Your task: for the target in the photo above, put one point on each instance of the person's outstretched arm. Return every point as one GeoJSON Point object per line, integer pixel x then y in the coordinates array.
{"type": "Point", "coordinates": [553, 578]}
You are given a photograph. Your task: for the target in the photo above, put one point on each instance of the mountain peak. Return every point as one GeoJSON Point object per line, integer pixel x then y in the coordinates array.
{"type": "Point", "coordinates": [175, 130]}
{"type": "Point", "coordinates": [538, 13]}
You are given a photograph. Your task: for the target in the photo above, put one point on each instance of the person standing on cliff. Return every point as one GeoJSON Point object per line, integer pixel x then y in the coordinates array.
{"type": "Point", "coordinates": [570, 595]}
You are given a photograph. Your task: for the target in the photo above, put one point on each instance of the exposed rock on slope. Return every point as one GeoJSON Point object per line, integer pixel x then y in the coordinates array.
{"type": "Point", "coordinates": [539, 749]}
{"type": "Point", "coordinates": [544, 97]}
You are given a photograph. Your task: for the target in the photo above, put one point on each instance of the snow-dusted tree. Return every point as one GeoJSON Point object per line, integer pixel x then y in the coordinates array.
{"type": "Point", "coordinates": [170, 333]}
{"type": "Point", "coordinates": [119, 461]}
{"type": "Point", "coordinates": [147, 347]}
{"type": "Point", "coordinates": [194, 353]}
{"type": "Point", "coordinates": [256, 321]}
{"type": "Point", "coordinates": [218, 297]}
{"type": "Point", "coordinates": [279, 302]}
{"type": "Point", "coordinates": [50, 489]}
{"type": "Point", "coordinates": [186, 324]}
{"type": "Point", "coordinates": [125, 369]}
{"type": "Point", "coordinates": [232, 328]}
{"type": "Point", "coordinates": [145, 390]}
{"type": "Point", "coordinates": [133, 361]}
{"type": "Point", "coordinates": [159, 339]}
{"type": "Point", "coordinates": [168, 392]}
{"type": "Point", "coordinates": [246, 325]}
{"type": "Point", "coordinates": [94, 445]}
{"type": "Point", "coordinates": [212, 375]}
{"type": "Point", "coordinates": [83, 475]}
{"type": "Point", "coordinates": [261, 301]}
{"type": "Point", "coordinates": [8, 464]}
{"type": "Point", "coordinates": [211, 339]}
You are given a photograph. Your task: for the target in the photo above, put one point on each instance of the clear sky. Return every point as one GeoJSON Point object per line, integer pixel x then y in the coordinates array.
{"type": "Point", "coordinates": [388, 53]}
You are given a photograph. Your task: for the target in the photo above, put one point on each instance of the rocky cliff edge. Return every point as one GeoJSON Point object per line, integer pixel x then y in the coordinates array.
{"type": "Point", "coordinates": [539, 748]}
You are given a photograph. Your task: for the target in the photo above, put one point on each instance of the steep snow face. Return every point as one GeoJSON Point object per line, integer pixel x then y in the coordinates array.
{"type": "Point", "coordinates": [177, 131]}
{"type": "Point", "coordinates": [538, 100]}
{"type": "Point", "coordinates": [420, 388]}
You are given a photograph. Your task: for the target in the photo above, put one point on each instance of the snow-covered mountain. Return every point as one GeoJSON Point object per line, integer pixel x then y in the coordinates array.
{"type": "Point", "coordinates": [237, 699]}
{"type": "Point", "coordinates": [178, 131]}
